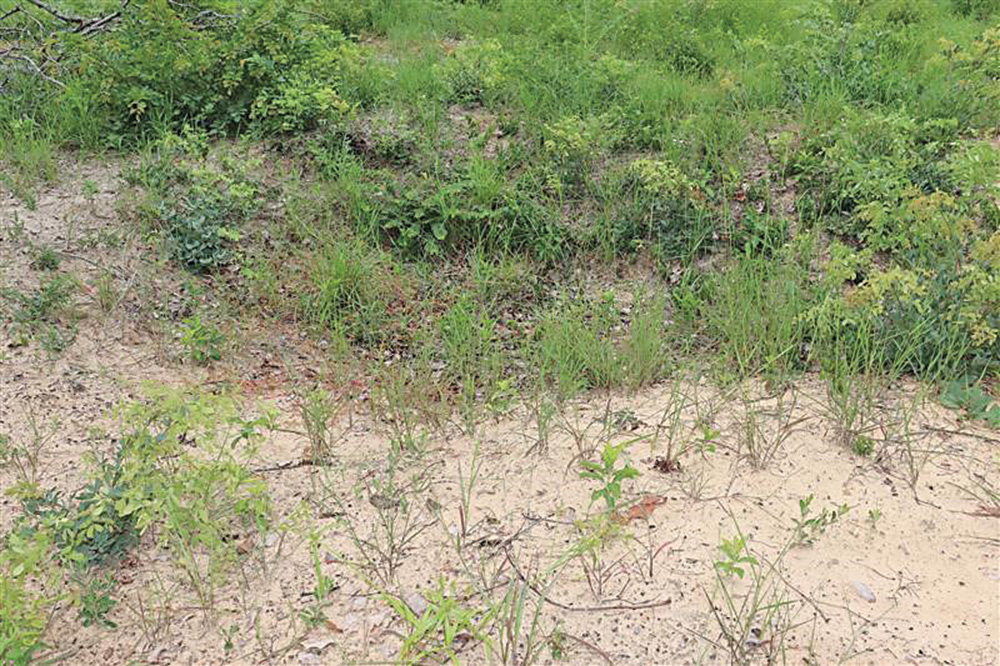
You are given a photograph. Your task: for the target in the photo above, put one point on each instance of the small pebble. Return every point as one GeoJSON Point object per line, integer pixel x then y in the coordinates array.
{"type": "Point", "coordinates": [864, 591]}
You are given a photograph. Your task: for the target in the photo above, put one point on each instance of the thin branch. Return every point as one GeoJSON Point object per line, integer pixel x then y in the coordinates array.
{"type": "Point", "coordinates": [6, 16]}
{"type": "Point", "coordinates": [592, 647]}
{"type": "Point", "coordinates": [33, 65]}
{"type": "Point", "coordinates": [98, 24]}
{"type": "Point", "coordinates": [961, 433]}
{"type": "Point", "coordinates": [59, 15]}
{"type": "Point", "coordinates": [587, 609]}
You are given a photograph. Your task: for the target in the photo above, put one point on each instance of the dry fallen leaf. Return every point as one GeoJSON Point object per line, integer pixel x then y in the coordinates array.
{"type": "Point", "coordinates": [644, 509]}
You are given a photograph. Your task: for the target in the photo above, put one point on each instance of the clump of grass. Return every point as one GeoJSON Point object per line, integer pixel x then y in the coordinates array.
{"type": "Point", "coordinates": [756, 315]}
{"type": "Point", "coordinates": [349, 291]}
{"type": "Point", "coordinates": [474, 364]}
{"type": "Point", "coordinates": [44, 313]}
{"type": "Point", "coordinates": [46, 259]}
{"type": "Point", "coordinates": [766, 428]}
{"type": "Point", "coordinates": [322, 412]}
{"type": "Point", "coordinates": [587, 345]}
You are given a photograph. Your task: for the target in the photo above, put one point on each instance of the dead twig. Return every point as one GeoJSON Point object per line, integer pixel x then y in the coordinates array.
{"type": "Point", "coordinates": [590, 646]}
{"type": "Point", "coordinates": [961, 433]}
{"type": "Point", "coordinates": [585, 609]}
{"type": "Point", "coordinates": [10, 13]}
{"type": "Point", "coordinates": [10, 54]}
{"type": "Point", "coordinates": [65, 18]}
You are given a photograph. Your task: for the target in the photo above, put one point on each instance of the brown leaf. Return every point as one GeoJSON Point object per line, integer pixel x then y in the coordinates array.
{"type": "Point", "coordinates": [644, 509]}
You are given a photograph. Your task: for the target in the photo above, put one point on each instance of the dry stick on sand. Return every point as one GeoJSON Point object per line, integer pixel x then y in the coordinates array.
{"type": "Point", "coordinates": [586, 609]}
{"type": "Point", "coordinates": [962, 433]}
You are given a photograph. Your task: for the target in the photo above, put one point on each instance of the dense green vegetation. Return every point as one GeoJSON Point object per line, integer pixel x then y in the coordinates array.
{"type": "Point", "coordinates": [516, 199]}
{"type": "Point", "coordinates": [845, 148]}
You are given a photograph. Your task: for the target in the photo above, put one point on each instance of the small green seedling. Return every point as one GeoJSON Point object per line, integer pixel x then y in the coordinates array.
{"type": "Point", "coordinates": [46, 259]}
{"type": "Point", "coordinates": [96, 602]}
{"type": "Point", "coordinates": [709, 435]}
{"type": "Point", "coordinates": [432, 634]}
{"type": "Point", "coordinates": [874, 515]}
{"type": "Point", "coordinates": [608, 475]}
{"type": "Point", "coordinates": [203, 341]}
{"type": "Point", "coordinates": [737, 554]}
{"type": "Point", "coordinates": [807, 529]}
{"type": "Point", "coordinates": [863, 446]}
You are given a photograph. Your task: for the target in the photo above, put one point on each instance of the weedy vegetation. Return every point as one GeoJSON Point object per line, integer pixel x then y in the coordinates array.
{"type": "Point", "coordinates": [525, 279]}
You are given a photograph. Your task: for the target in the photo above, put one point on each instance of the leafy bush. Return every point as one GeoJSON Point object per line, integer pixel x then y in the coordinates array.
{"type": "Point", "coordinates": [968, 395]}
{"type": "Point", "coordinates": [978, 69]}
{"type": "Point", "coordinates": [668, 209]}
{"type": "Point", "coordinates": [203, 341]}
{"type": "Point", "coordinates": [259, 67]}
{"type": "Point", "coordinates": [471, 206]}
{"type": "Point", "coordinates": [197, 502]}
{"type": "Point", "coordinates": [199, 234]}
{"type": "Point", "coordinates": [87, 530]}
{"type": "Point", "coordinates": [572, 144]}
{"type": "Point", "coordinates": [473, 71]}
{"type": "Point", "coordinates": [24, 612]}
{"type": "Point", "coordinates": [923, 229]}
{"type": "Point", "coordinates": [418, 219]}
{"type": "Point", "coordinates": [200, 208]}
{"type": "Point", "coordinates": [938, 320]}
{"type": "Point", "coordinates": [870, 162]}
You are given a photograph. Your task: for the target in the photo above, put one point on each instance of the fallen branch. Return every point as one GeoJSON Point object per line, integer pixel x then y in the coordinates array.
{"type": "Point", "coordinates": [98, 24]}
{"type": "Point", "coordinates": [13, 11]}
{"type": "Point", "coordinates": [65, 18]}
{"type": "Point", "coordinates": [9, 54]}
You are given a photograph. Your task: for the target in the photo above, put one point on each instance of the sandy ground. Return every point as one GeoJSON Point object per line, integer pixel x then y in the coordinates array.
{"type": "Point", "coordinates": [908, 575]}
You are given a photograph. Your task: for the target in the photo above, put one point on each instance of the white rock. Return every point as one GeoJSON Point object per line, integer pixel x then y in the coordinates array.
{"type": "Point", "coordinates": [317, 644]}
{"type": "Point", "coordinates": [416, 603]}
{"type": "Point", "coordinates": [863, 591]}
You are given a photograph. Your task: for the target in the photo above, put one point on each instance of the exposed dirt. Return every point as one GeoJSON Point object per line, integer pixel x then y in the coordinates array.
{"type": "Point", "coordinates": [908, 575]}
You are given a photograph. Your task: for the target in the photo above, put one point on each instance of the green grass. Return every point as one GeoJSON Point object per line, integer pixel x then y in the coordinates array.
{"type": "Point", "coordinates": [706, 143]}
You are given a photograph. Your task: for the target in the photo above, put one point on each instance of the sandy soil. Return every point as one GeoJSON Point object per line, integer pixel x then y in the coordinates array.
{"type": "Point", "coordinates": [908, 575]}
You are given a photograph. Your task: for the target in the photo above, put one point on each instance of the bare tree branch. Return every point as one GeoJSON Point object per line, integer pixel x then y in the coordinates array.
{"type": "Point", "coordinates": [15, 10]}
{"type": "Point", "coordinates": [98, 24]}
{"type": "Point", "coordinates": [10, 54]}
{"type": "Point", "coordinates": [59, 15]}
{"type": "Point", "coordinates": [20, 36]}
